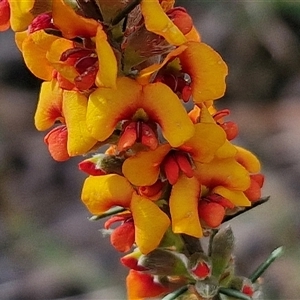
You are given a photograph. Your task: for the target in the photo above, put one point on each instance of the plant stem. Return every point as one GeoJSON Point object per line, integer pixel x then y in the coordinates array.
{"type": "Point", "coordinates": [125, 12]}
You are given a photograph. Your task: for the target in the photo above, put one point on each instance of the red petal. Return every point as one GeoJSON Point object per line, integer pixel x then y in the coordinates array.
{"type": "Point", "coordinates": [56, 140]}
{"type": "Point", "coordinates": [122, 237]}
{"type": "Point", "coordinates": [184, 164]}
{"type": "Point", "coordinates": [171, 169]}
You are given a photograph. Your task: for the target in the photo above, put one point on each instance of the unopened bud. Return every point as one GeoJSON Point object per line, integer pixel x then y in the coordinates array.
{"type": "Point", "coordinates": [207, 288]}
{"type": "Point", "coordinates": [243, 285]}
{"type": "Point", "coordinates": [200, 266]}
{"type": "Point", "coordinates": [221, 250]}
{"type": "Point", "coordinates": [164, 263]}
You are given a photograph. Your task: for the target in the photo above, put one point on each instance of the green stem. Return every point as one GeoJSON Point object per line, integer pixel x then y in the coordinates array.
{"type": "Point", "coordinates": [261, 269]}
{"type": "Point", "coordinates": [233, 293]}
{"type": "Point", "coordinates": [109, 213]}
{"type": "Point", "coordinates": [176, 293]}
{"type": "Point", "coordinates": [125, 12]}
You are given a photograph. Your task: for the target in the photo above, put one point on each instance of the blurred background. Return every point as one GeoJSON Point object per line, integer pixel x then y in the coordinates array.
{"type": "Point", "coordinates": [49, 249]}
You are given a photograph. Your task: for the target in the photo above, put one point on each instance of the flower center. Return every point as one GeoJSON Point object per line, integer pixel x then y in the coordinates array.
{"type": "Point", "coordinates": [85, 61]}
{"type": "Point", "coordinates": [138, 132]}
{"type": "Point", "coordinates": [176, 162]}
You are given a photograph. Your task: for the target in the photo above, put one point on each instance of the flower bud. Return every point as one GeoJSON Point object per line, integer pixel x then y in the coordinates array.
{"type": "Point", "coordinates": [211, 213]}
{"type": "Point", "coordinates": [243, 285]}
{"type": "Point", "coordinates": [164, 263]}
{"type": "Point", "coordinates": [200, 266]}
{"type": "Point", "coordinates": [181, 19]}
{"type": "Point", "coordinates": [101, 164]}
{"type": "Point", "coordinates": [207, 288]}
{"type": "Point", "coordinates": [221, 251]}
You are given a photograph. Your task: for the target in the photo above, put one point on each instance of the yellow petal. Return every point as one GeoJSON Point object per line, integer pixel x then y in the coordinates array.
{"type": "Point", "coordinates": [193, 35]}
{"type": "Point", "coordinates": [34, 49]}
{"type": "Point", "coordinates": [208, 138]}
{"type": "Point", "coordinates": [20, 38]}
{"type": "Point", "coordinates": [167, 4]}
{"type": "Point", "coordinates": [150, 223]}
{"type": "Point", "coordinates": [80, 140]}
{"type": "Point", "coordinates": [247, 159]}
{"type": "Point", "coordinates": [101, 193]}
{"type": "Point", "coordinates": [164, 107]}
{"type": "Point", "coordinates": [49, 107]}
{"type": "Point", "coordinates": [238, 198]}
{"type": "Point", "coordinates": [184, 206]}
{"type": "Point", "coordinates": [20, 16]}
{"type": "Point", "coordinates": [226, 150]}
{"type": "Point", "coordinates": [108, 68]}
{"type": "Point", "coordinates": [207, 70]}
{"type": "Point", "coordinates": [225, 172]}
{"type": "Point", "coordinates": [143, 168]}
{"type": "Point", "coordinates": [158, 22]}
{"type": "Point", "coordinates": [106, 107]}
{"type": "Point", "coordinates": [70, 23]}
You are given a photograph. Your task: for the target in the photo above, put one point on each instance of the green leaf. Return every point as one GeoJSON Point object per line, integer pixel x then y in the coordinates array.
{"type": "Point", "coordinates": [261, 269]}
{"type": "Point", "coordinates": [234, 293]}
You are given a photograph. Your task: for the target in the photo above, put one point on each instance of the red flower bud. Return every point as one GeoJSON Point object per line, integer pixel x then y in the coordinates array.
{"type": "Point", "coordinates": [181, 19]}
{"type": "Point", "coordinates": [211, 213]}
{"type": "Point", "coordinates": [231, 130]}
{"type": "Point", "coordinates": [201, 270]}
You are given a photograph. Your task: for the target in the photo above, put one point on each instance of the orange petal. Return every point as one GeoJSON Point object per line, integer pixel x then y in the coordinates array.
{"type": "Point", "coordinates": [49, 107]}
{"type": "Point", "coordinates": [106, 107]}
{"type": "Point", "coordinates": [247, 159]}
{"type": "Point", "coordinates": [70, 23]}
{"type": "Point", "coordinates": [253, 193]}
{"type": "Point", "coordinates": [147, 162]}
{"type": "Point", "coordinates": [122, 238]}
{"type": "Point", "coordinates": [158, 22]}
{"type": "Point", "coordinates": [108, 68]}
{"type": "Point", "coordinates": [34, 49]}
{"type": "Point", "coordinates": [150, 223]}
{"type": "Point", "coordinates": [193, 35]}
{"type": "Point", "coordinates": [80, 140]}
{"type": "Point", "coordinates": [208, 138]}
{"type": "Point", "coordinates": [184, 206]}
{"type": "Point", "coordinates": [207, 70]}
{"type": "Point", "coordinates": [141, 286]}
{"type": "Point", "coordinates": [56, 140]}
{"type": "Point", "coordinates": [238, 198]}
{"type": "Point", "coordinates": [21, 16]}
{"type": "Point", "coordinates": [100, 193]}
{"type": "Point", "coordinates": [225, 172]}
{"type": "Point", "coordinates": [158, 102]}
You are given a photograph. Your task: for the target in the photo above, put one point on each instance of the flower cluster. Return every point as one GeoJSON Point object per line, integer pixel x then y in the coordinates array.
{"type": "Point", "coordinates": [131, 84]}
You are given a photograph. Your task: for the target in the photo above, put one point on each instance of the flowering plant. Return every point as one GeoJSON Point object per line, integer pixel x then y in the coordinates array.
{"type": "Point", "coordinates": [131, 85]}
